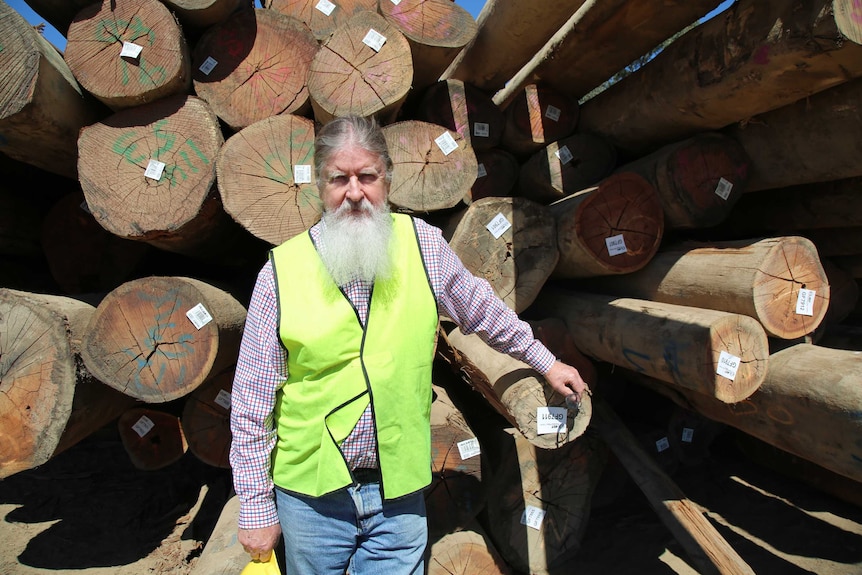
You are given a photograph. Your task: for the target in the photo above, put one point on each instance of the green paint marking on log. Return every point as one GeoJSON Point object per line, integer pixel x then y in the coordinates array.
{"type": "Point", "coordinates": [112, 31]}
{"type": "Point", "coordinates": [185, 156]}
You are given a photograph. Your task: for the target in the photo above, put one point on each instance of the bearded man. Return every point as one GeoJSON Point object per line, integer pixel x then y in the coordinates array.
{"type": "Point", "coordinates": [332, 394]}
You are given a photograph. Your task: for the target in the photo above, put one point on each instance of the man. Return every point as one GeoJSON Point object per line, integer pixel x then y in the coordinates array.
{"type": "Point", "coordinates": [331, 398]}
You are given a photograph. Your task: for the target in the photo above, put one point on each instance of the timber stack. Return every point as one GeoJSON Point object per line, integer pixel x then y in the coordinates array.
{"type": "Point", "coordinates": [696, 223]}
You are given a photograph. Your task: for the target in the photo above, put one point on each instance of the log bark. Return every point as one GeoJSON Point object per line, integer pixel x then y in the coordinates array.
{"type": "Point", "coordinates": [497, 174]}
{"type": "Point", "coordinates": [462, 108]}
{"type": "Point", "coordinates": [202, 14]}
{"type": "Point", "coordinates": [42, 107]}
{"type": "Point", "coordinates": [685, 346]}
{"type": "Point", "coordinates": [518, 262]}
{"type": "Point", "coordinates": [267, 180]}
{"type": "Point", "coordinates": [223, 554]}
{"type": "Point", "coordinates": [314, 14]}
{"type": "Point", "coordinates": [254, 66]}
{"type": "Point", "coordinates": [437, 31]}
{"type": "Point", "coordinates": [348, 76]}
{"type": "Point", "coordinates": [758, 278]}
{"type": "Point", "coordinates": [141, 340]}
{"type": "Point", "coordinates": [48, 400]}
{"type": "Point", "coordinates": [99, 33]}
{"type": "Point", "coordinates": [698, 180]}
{"type": "Point", "coordinates": [536, 117]}
{"type": "Point", "coordinates": [565, 167]}
{"type": "Point", "coordinates": [467, 552]}
{"type": "Point", "coordinates": [782, 52]}
{"type": "Point", "coordinates": [613, 228]}
{"type": "Point", "coordinates": [206, 420]}
{"type": "Point", "coordinates": [153, 439]}
{"type": "Point", "coordinates": [425, 178]}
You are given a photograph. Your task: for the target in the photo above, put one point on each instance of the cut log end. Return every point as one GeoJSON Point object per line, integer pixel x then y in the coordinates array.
{"type": "Point", "coordinates": [152, 439]}
{"type": "Point", "coordinates": [739, 357]}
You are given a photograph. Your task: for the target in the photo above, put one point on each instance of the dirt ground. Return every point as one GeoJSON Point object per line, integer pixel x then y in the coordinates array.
{"type": "Point", "coordinates": [90, 512]}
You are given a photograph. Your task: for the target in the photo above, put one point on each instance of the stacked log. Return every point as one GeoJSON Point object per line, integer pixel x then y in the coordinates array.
{"type": "Point", "coordinates": [205, 420]}
{"type": "Point", "coordinates": [496, 175]}
{"type": "Point", "coordinates": [537, 117]}
{"type": "Point", "coordinates": [463, 108]}
{"type": "Point", "coordinates": [152, 438]}
{"type": "Point", "coordinates": [202, 14]}
{"type": "Point", "coordinates": [321, 17]}
{"type": "Point", "coordinates": [465, 551]}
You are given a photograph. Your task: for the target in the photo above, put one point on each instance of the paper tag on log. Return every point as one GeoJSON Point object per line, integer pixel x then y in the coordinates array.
{"type": "Point", "coordinates": [302, 174]}
{"type": "Point", "coordinates": [446, 143]}
{"type": "Point", "coordinates": [662, 444]}
{"type": "Point", "coordinates": [481, 172]}
{"type": "Point", "coordinates": [143, 426]}
{"type": "Point", "coordinates": [208, 66]}
{"type": "Point", "coordinates": [325, 6]}
{"type": "Point", "coordinates": [374, 40]}
{"type": "Point", "coordinates": [131, 50]}
{"type": "Point", "coordinates": [223, 399]}
{"type": "Point", "coordinates": [498, 226]}
{"type": "Point", "coordinates": [396, 2]}
{"type": "Point", "coordinates": [469, 448]}
{"type": "Point", "coordinates": [564, 155]}
{"type": "Point", "coordinates": [533, 517]}
{"type": "Point", "coordinates": [199, 316]}
{"type": "Point", "coordinates": [481, 130]}
{"type": "Point", "coordinates": [727, 365]}
{"type": "Point", "coordinates": [722, 190]}
{"type": "Point", "coordinates": [616, 245]}
{"type": "Point", "coordinates": [553, 113]}
{"type": "Point", "coordinates": [687, 434]}
{"type": "Point", "coordinates": [154, 170]}
{"type": "Point", "coordinates": [805, 302]}
{"type": "Point", "coordinates": [550, 420]}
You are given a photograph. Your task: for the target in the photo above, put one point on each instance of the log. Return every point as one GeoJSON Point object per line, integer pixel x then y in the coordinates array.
{"type": "Point", "coordinates": [141, 339]}
{"type": "Point", "coordinates": [761, 278]}
{"type": "Point", "coordinates": [782, 53]}
{"type": "Point", "coordinates": [48, 400]}
{"type": "Point", "coordinates": [350, 76]}
{"type": "Point", "coordinates": [96, 47]}
{"type": "Point", "coordinates": [467, 552]}
{"type": "Point", "coordinates": [554, 334]}
{"type": "Point", "coordinates": [565, 167]}
{"type": "Point", "coordinates": [205, 420]}
{"type": "Point", "coordinates": [202, 14]}
{"type": "Point", "coordinates": [537, 117]}
{"type": "Point", "coordinates": [462, 108]}
{"type": "Point", "coordinates": [153, 439]}
{"type": "Point", "coordinates": [698, 180]}
{"type": "Point", "coordinates": [42, 107]}
{"type": "Point", "coordinates": [433, 168]}
{"type": "Point", "coordinates": [519, 261]}
{"type": "Point", "coordinates": [59, 13]}
{"type": "Point", "coordinates": [497, 173]}
{"type": "Point", "coordinates": [694, 348]}
{"type": "Point", "coordinates": [843, 296]}
{"type": "Point", "coordinates": [222, 554]}
{"type": "Point", "coordinates": [437, 31]}
{"type": "Point", "coordinates": [253, 66]}
{"type": "Point", "coordinates": [321, 17]}
{"type": "Point", "coordinates": [267, 180]}
{"type": "Point", "coordinates": [613, 228]}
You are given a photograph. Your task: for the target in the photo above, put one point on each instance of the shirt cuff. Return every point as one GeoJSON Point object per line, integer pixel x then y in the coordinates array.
{"type": "Point", "coordinates": [539, 357]}
{"type": "Point", "coordinates": [257, 516]}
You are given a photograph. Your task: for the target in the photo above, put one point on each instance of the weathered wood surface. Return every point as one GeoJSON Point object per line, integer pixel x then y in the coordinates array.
{"type": "Point", "coordinates": [205, 420]}
{"type": "Point", "coordinates": [537, 117]}
{"type": "Point", "coordinates": [314, 13]}
{"type": "Point", "coordinates": [262, 60]}
{"type": "Point", "coordinates": [100, 32]}
{"type": "Point", "coordinates": [463, 108]}
{"type": "Point", "coordinates": [782, 53]}
{"type": "Point", "coordinates": [467, 552]}
{"type": "Point", "coordinates": [222, 554]}
{"type": "Point", "coordinates": [141, 340]}
{"type": "Point", "coordinates": [205, 13]}
{"type": "Point", "coordinates": [267, 180]}
{"type": "Point", "coordinates": [496, 175]}
{"type": "Point", "coordinates": [152, 438]}
{"type": "Point", "coordinates": [613, 228]}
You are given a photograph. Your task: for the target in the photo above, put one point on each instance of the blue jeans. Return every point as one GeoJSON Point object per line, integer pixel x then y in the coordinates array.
{"type": "Point", "coordinates": [355, 530]}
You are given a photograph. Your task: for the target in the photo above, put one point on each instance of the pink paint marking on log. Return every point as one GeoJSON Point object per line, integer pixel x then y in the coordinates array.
{"type": "Point", "coordinates": [761, 56]}
{"type": "Point", "coordinates": [856, 12]}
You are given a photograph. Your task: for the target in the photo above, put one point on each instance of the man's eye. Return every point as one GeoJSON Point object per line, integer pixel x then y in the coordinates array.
{"type": "Point", "coordinates": [339, 180]}
{"type": "Point", "coordinates": [367, 178]}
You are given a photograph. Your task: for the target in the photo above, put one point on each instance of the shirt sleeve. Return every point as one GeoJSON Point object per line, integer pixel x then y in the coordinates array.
{"type": "Point", "coordinates": [260, 371]}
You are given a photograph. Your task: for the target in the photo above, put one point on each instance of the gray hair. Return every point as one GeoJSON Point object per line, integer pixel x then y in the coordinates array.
{"type": "Point", "coordinates": [346, 132]}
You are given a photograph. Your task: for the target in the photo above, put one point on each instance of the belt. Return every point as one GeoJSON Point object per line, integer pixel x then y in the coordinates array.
{"type": "Point", "coordinates": [366, 475]}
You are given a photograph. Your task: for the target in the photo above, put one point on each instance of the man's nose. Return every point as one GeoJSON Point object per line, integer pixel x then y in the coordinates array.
{"type": "Point", "coordinates": [354, 190]}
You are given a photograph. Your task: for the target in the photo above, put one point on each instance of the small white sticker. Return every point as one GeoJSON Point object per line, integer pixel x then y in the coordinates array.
{"type": "Point", "coordinates": [498, 226]}
{"type": "Point", "coordinates": [727, 365]}
{"type": "Point", "coordinates": [223, 399]}
{"type": "Point", "coordinates": [143, 426]}
{"type": "Point", "coordinates": [154, 170]}
{"type": "Point", "coordinates": [396, 2]}
{"type": "Point", "coordinates": [616, 245]}
{"type": "Point", "coordinates": [209, 65]}
{"type": "Point", "coordinates": [662, 444]}
{"type": "Point", "coordinates": [302, 174]}
{"type": "Point", "coordinates": [481, 172]}
{"type": "Point", "coordinates": [481, 130]}
{"type": "Point", "coordinates": [446, 143]}
{"type": "Point", "coordinates": [131, 50]}
{"type": "Point", "coordinates": [374, 40]}
{"type": "Point", "coordinates": [564, 155]}
{"type": "Point", "coordinates": [722, 190]}
{"type": "Point", "coordinates": [469, 448]}
{"type": "Point", "coordinates": [687, 434]}
{"type": "Point", "coordinates": [325, 6]}
{"type": "Point", "coordinates": [550, 420]}
{"type": "Point", "coordinates": [533, 517]}
{"type": "Point", "coordinates": [199, 316]}
{"type": "Point", "coordinates": [805, 302]}
{"type": "Point", "coordinates": [553, 113]}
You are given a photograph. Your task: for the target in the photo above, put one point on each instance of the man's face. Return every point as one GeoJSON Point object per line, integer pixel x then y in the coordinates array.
{"type": "Point", "coordinates": [351, 175]}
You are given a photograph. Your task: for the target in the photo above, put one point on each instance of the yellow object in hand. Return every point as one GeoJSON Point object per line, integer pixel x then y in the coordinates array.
{"type": "Point", "coordinates": [268, 567]}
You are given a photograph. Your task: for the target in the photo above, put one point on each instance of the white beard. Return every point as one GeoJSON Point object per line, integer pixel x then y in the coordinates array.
{"type": "Point", "coordinates": [356, 246]}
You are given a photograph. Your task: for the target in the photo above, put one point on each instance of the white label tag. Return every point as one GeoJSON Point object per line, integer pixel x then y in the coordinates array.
{"type": "Point", "coordinates": [553, 113]}
{"type": "Point", "coordinates": [481, 172]}
{"type": "Point", "coordinates": [302, 174]}
{"type": "Point", "coordinates": [727, 365]}
{"type": "Point", "coordinates": [616, 245]}
{"type": "Point", "coordinates": [325, 6]}
{"type": "Point", "coordinates": [550, 420]}
{"type": "Point", "coordinates": [481, 130]}
{"type": "Point", "coordinates": [143, 426]}
{"type": "Point", "coordinates": [722, 190]}
{"type": "Point", "coordinates": [154, 170]}
{"type": "Point", "coordinates": [446, 143]}
{"type": "Point", "coordinates": [131, 50]}
{"type": "Point", "coordinates": [374, 40]}
{"type": "Point", "coordinates": [469, 448]}
{"type": "Point", "coordinates": [805, 302]}
{"type": "Point", "coordinates": [199, 316]}
{"type": "Point", "coordinates": [564, 155]}
{"type": "Point", "coordinates": [223, 399]}
{"type": "Point", "coordinates": [687, 434]}
{"type": "Point", "coordinates": [209, 65]}
{"type": "Point", "coordinates": [662, 444]}
{"type": "Point", "coordinates": [533, 517]}
{"type": "Point", "coordinates": [498, 226]}
{"type": "Point", "coordinates": [396, 2]}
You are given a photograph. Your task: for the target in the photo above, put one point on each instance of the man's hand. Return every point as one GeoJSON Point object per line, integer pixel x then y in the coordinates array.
{"type": "Point", "coordinates": [565, 379]}
{"type": "Point", "coordinates": [259, 543]}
